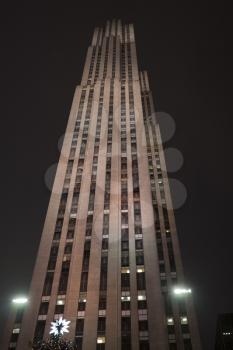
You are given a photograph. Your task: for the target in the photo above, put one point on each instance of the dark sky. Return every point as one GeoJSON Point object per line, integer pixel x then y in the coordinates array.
{"type": "Point", "coordinates": [186, 48]}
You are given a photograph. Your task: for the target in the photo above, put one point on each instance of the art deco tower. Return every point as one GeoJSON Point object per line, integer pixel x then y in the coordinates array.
{"type": "Point", "coordinates": [109, 257]}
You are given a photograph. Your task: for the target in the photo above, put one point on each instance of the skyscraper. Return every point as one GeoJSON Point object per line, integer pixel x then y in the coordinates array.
{"type": "Point", "coordinates": [109, 257]}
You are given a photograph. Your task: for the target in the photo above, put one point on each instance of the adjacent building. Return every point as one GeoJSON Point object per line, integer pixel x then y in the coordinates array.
{"type": "Point", "coordinates": [109, 256]}
{"type": "Point", "coordinates": [224, 333]}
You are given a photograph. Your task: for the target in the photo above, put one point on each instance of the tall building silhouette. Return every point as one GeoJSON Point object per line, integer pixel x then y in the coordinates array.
{"type": "Point", "coordinates": [109, 256]}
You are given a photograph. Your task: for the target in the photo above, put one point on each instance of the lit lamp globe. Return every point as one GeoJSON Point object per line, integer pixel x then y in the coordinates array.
{"type": "Point", "coordinates": [182, 291]}
{"type": "Point", "coordinates": [21, 300]}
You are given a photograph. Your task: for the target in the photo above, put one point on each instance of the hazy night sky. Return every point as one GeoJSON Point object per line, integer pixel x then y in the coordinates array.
{"type": "Point", "coordinates": [186, 48]}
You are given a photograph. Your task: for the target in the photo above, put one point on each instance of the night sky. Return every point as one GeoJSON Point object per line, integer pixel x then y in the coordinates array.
{"type": "Point", "coordinates": [186, 48]}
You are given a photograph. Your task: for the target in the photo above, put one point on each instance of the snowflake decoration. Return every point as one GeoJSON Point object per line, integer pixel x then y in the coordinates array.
{"type": "Point", "coordinates": [59, 327]}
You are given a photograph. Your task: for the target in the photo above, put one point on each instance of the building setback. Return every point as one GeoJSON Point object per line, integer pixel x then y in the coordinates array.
{"type": "Point", "coordinates": [109, 256]}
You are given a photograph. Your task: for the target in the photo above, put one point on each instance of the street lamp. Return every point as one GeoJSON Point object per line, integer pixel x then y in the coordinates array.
{"type": "Point", "coordinates": [181, 291]}
{"type": "Point", "coordinates": [20, 300]}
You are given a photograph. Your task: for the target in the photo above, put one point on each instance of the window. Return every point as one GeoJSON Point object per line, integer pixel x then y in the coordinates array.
{"type": "Point", "coordinates": [68, 248]}
{"type": "Point", "coordinates": [83, 284]}
{"type": "Point", "coordinates": [124, 245]}
{"type": "Point", "coordinates": [44, 308]}
{"type": "Point", "coordinates": [144, 345]}
{"type": "Point", "coordinates": [141, 284]}
{"type": "Point", "coordinates": [139, 258]}
{"type": "Point", "coordinates": [103, 280]}
{"type": "Point", "coordinates": [101, 325]}
{"type": "Point", "coordinates": [59, 309]}
{"type": "Point", "coordinates": [63, 280]}
{"type": "Point", "coordinates": [79, 326]}
{"type": "Point", "coordinates": [125, 325]}
{"type": "Point", "coordinates": [48, 283]}
{"type": "Point", "coordinates": [39, 331]}
{"type": "Point", "coordinates": [125, 281]}
{"type": "Point", "coordinates": [143, 325]}
{"type": "Point", "coordinates": [104, 243]}
{"type": "Point", "coordinates": [142, 304]}
{"type": "Point", "coordinates": [139, 244]}
{"type": "Point", "coordinates": [187, 344]}
{"type": "Point", "coordinates": [125, 258]}
{"type": "Point", "coordinates": [125, 305]}
{"type": "Point", "coordinates": [102, 303]}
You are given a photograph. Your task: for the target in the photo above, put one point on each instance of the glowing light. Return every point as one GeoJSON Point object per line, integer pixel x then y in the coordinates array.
{"type": "Point", "coordinates": [170, 321]}
{"type": "Point", "coordinates": [16, 330]}
{"type": "Point", "coordinates": [182, 291]}
{"type": "Point", "coordinates": [139, 270]}
{"type": "Point", "coordinates": [59, 326]}
{"type": "Point", "coordinates": [20, 300]}
{"type": "Point", "coordinates": [100, 340]}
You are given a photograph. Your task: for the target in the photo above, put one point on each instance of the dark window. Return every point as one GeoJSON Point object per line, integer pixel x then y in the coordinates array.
{"type": "Point", "coordinates": [125, 281]}
{"type": "Point", "coordinates": [48, 283]}
{"type": "Point", "coordinates": [44, 308]}
{"type": "Point", "coordinates": [14, 338]}
{"type": "Point", "coordinates": [185, 328]}
{"type": "Point", "coordinates": [125, 325]}
{"type": "Point", "coordinates": [125, 259]}
{"type": "Point", "coordinates": [187, 344]}
{"type": "Point", "coordinates": [70, 234]}
{"type": "Point", "coordinates": [141, 284]}
{"type": "Point", "coordinates": [57, 235]}
{"type": "Point", "coordinates": [102, 303]}
{"type": "Point", "coordinates": [105, 243]}
{"type": "Point", "coordinates": [83, 284]}
{"type": "Point", "coordinates": [144, 345]}
{"type": "Point", "coordinates": [171, 329]}
{"type": "Point", "coordinates": [39, 331]}
{"type": "Point", "coordinates": [125, 234]}
{"type": "Point", "coordinates": [172, 346]}
{"type": "Point", "coordinates": [59, 309]}
{"type": "Point", "coordinates": [139, 258]}
{"type": "Point", "coordinates": [101, 325]}
{"type": "Point", "coordinates": [139, 244]}
{"type": "Point", "coordinates": [125, 305]}
{"type": "Point", "coordinates": [81, 306]}
{"type": "Point", "coordinates": [64, 277]}
{"type": "Point", "coordinates": [142, 304]}
{"type": "Point", "coordinates": [168, 305]}
{"type": "Point", "coordinates": [86, 260]}
{"type": "Point", "coordinates": [103, 280]}
{"type": "Point", "coordinates": [19, 315]}
{"type": "Point", "coordinates": [124, 245]}
{"type": "Point", "coordinates": [68, 248]}
{"type": "Point", "coordinates": [143, 325]}
{"type": "Point", "coordinates": [79, 326]}
{"type": "Point", "coordinates": [160, 250]}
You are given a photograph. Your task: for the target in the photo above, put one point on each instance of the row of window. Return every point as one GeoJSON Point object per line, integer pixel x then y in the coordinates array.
{"type": "Point", "coordinates": [163, 242]}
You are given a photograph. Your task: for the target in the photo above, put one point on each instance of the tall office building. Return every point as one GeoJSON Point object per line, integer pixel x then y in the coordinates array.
{"type": "Point", "coordinates": [109, 255]}
{"type": "Point", "coordinates": [224, 332]}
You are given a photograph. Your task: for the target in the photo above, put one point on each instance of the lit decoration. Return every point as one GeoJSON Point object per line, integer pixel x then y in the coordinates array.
{"type": "Point", "coordinates": [59, 327]}
{"type": "Point", "coordinates": [56, 342]}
